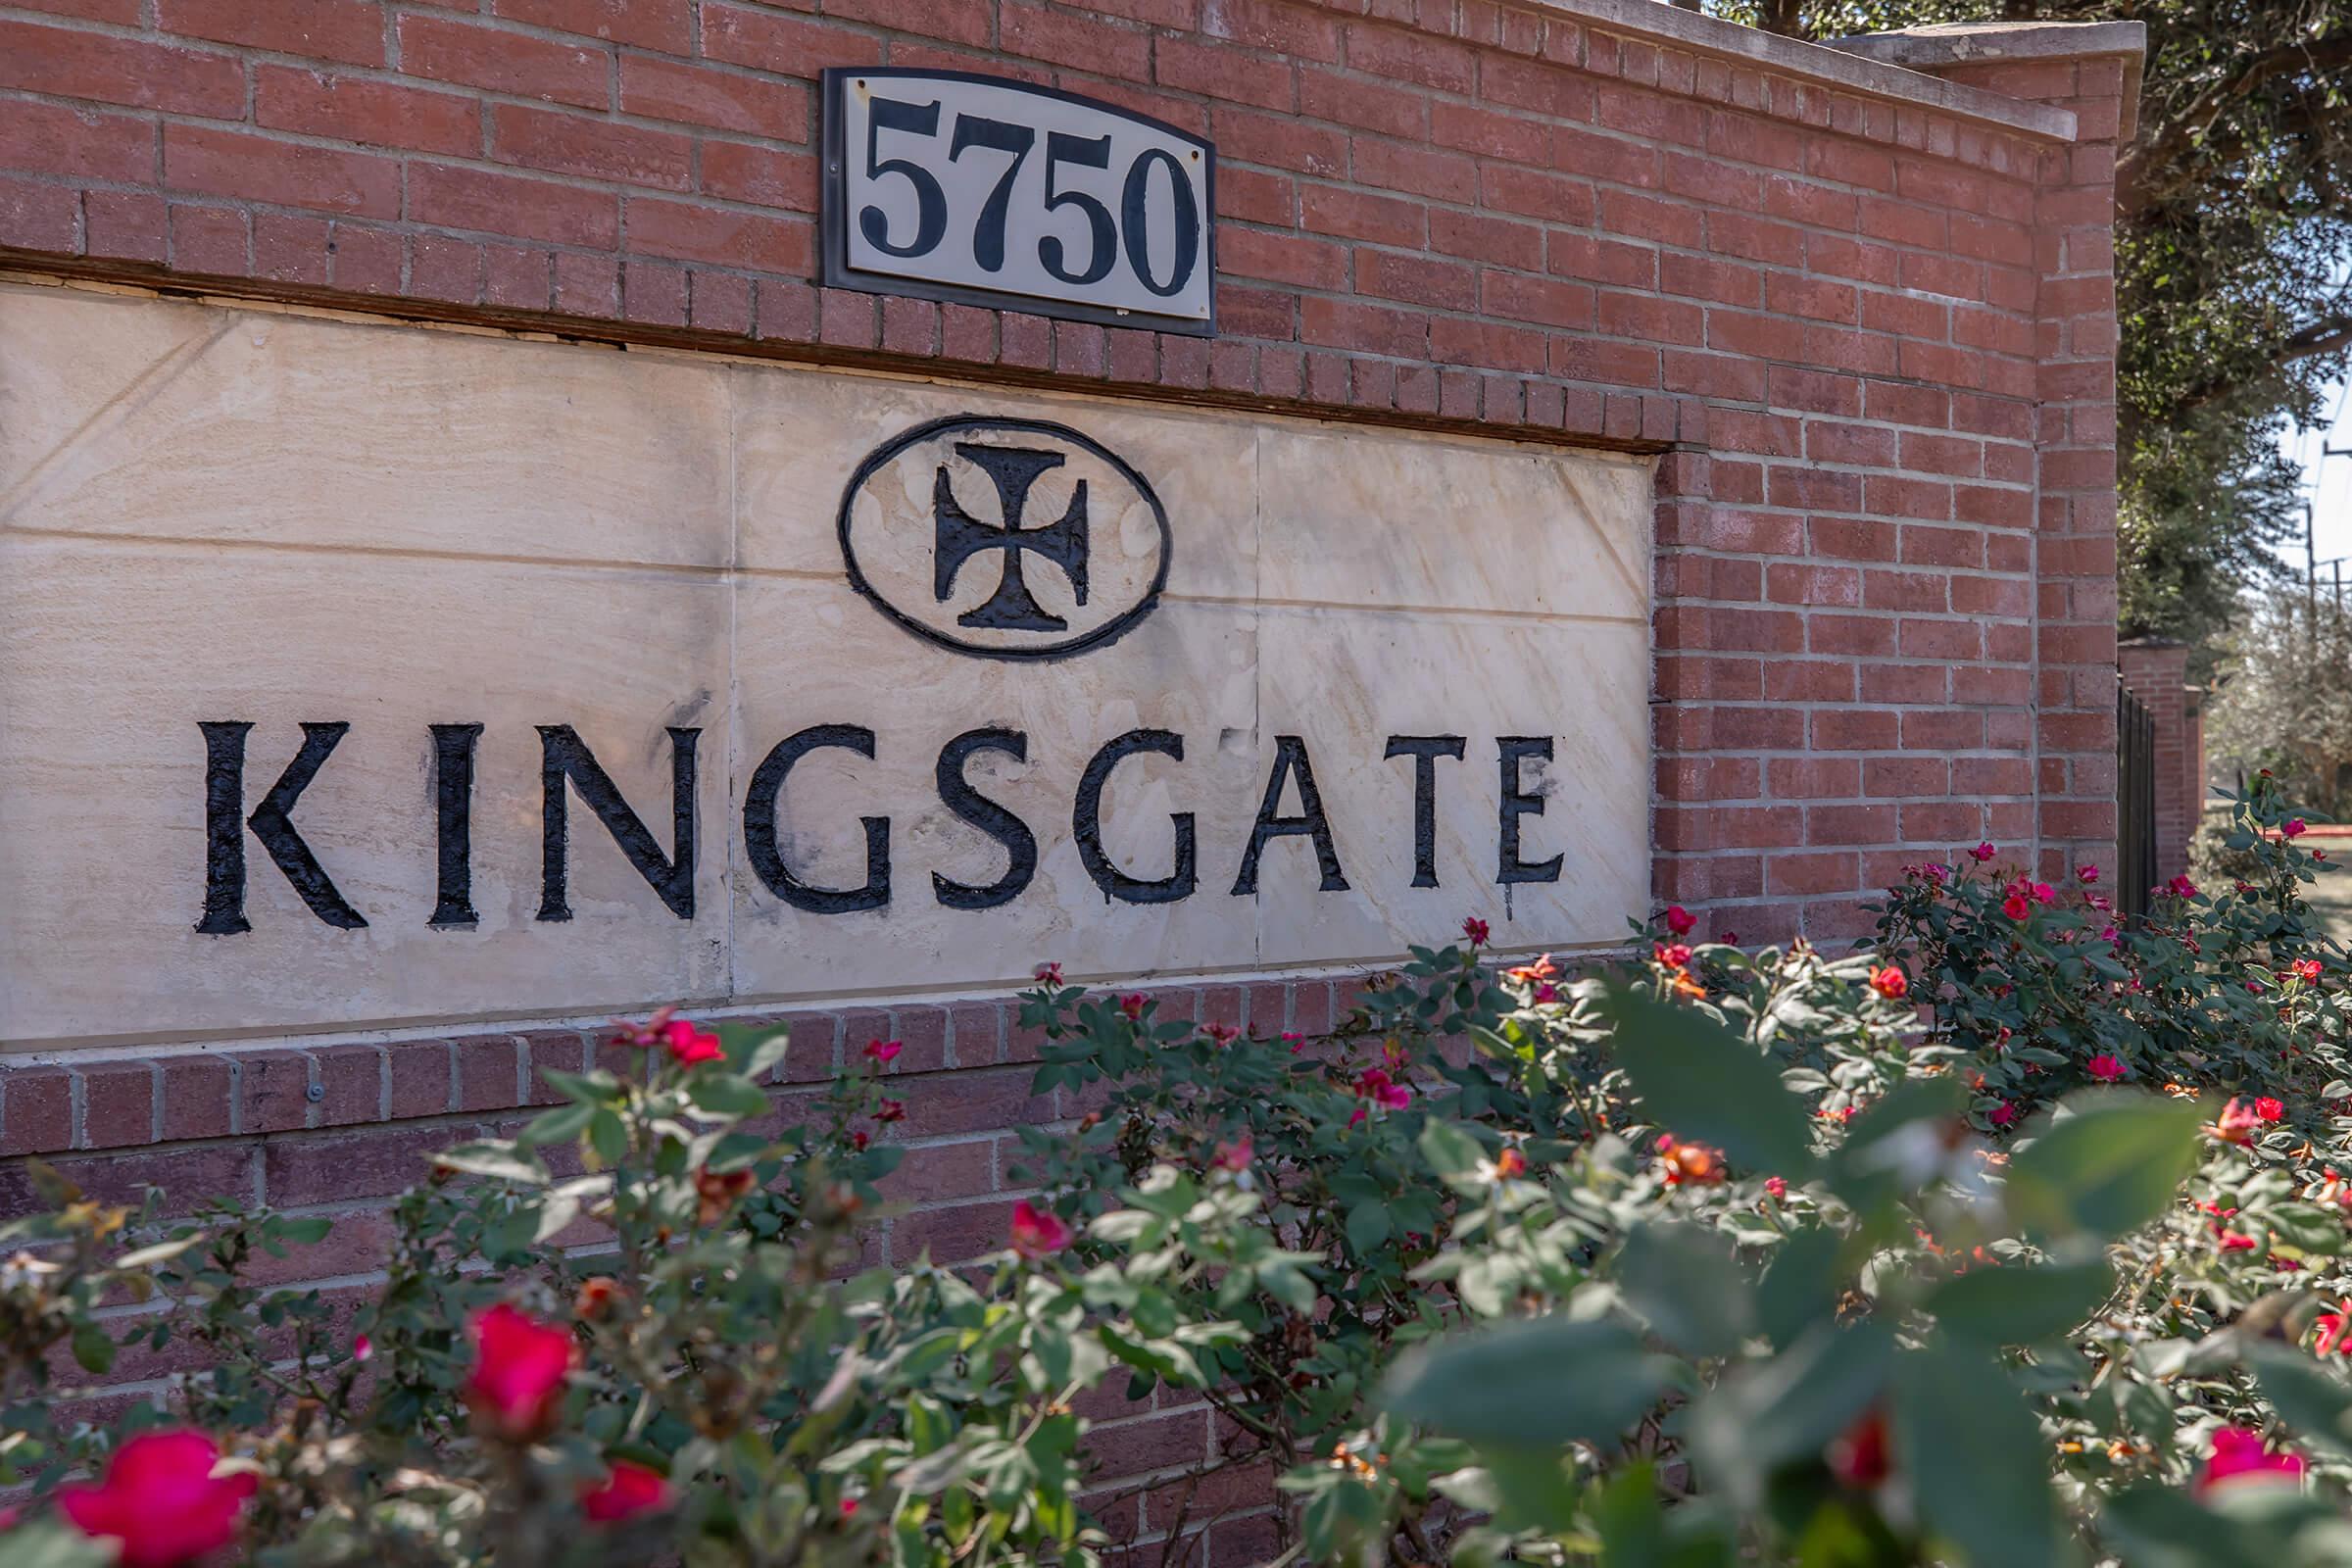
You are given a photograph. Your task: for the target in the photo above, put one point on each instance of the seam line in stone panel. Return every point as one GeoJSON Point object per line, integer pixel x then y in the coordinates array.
{"type": "Point", "coordinates": [107, 416]}
{"type": "Point", "coordinates": [725, 573]}
{"type": "Point", "coordinates": [734, 581]}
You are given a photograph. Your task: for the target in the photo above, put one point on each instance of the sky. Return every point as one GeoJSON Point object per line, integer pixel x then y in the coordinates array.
{"type": "Point", "coordinates": [2326, 484]}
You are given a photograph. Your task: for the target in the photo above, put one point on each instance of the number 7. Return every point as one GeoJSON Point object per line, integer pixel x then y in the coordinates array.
{"type": "Point", "coordinates": [975, 131]}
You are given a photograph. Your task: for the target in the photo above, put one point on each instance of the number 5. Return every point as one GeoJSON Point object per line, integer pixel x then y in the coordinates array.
{"type": "Point", "coordinates": [1063, 148]}
{"type": "Point", "coordinates": [930, 202]}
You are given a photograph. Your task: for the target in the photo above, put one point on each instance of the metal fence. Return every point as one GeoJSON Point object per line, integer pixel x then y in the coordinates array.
{"type": "Point", "coordinates": [2135, 803]}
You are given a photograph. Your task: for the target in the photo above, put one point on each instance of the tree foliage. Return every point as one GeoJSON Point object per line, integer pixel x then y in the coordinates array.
{"type": "Point", "coordinates": [2283, 699]}
{"type": "Point", "coordinates": [2234, 269]}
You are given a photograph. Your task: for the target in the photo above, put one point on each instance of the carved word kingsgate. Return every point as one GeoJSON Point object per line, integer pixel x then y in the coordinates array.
{"type": "Point", "coordinates": [567, 767]}
{"type": "Point", "coordinates": [991, 538]}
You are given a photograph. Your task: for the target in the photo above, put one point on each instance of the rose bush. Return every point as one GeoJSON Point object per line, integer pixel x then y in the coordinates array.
{"type": "Point", "coordinates": [2018, 1236]}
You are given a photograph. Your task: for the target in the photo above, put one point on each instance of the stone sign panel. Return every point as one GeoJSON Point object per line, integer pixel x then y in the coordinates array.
{"type": "Point", "coordinates": [367, 676]}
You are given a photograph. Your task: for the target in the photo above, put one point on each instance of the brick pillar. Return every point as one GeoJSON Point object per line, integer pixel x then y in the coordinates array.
{"type": "Point", "coordinates": [2094, 71]}
{"type": "Point", "coordinates": [2155, 669]}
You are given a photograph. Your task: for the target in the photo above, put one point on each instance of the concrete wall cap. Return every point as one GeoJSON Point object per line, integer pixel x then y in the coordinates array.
{"type": "Point", "coordinates": [1944, 44]}
{"type": "Point", "coordinates": [1836, 66]}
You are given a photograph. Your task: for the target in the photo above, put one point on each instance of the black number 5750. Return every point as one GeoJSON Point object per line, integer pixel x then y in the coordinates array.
{"type": "Point", "coordinates": [968, 188]}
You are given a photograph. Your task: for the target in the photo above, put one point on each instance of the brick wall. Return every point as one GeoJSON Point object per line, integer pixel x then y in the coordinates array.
{"type": "Point", "coordinates": [1865, 313]}
{"type": "Point", "coordinates": [1868, 313]}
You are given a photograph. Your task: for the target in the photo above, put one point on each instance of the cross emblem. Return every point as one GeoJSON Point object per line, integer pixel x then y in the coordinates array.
{"type": "Point", "coordinates": [1012, 470]}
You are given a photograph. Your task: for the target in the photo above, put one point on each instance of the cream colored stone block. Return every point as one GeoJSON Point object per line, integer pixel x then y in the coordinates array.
{"type": "Point", "coordinates": [254, 425]}
{"type": "Point", "coordinates": [111, 655]}
{"type": "Point", "coordinates": [1361, 516]}
{"type": "Point", "coordinates": [223, 514]}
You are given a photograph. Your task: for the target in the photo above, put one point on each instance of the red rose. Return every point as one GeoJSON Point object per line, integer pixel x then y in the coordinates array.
{"type": "Point", "coordinates": [519, 1371]}
{"type": "Point", "coordinates": [883, 1051]}
{"type": "Point", "coordinates": [1476, 930]}
{"type": "Point", "coordinates": [2105, 1068]}
{"type": "Point", "coordinates": [160, 1499]}
{"type": "Point", "coordinates": [631, 1489]}
{"type": "Point", "coordinates": [1679, 920]}
{"type": "Point", "coordinates": [690, 1045]}
{"type": "Point", "coordinates": [1890, 982]}
{"type": "Point", "coordinates": [2239, 1452]}
{"type": "Point", "coordinates": [1036, 1232]}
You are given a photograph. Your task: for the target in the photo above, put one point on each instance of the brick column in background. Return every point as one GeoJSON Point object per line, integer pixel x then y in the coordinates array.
{"type": "Point", "coordinates": [2155, 669]}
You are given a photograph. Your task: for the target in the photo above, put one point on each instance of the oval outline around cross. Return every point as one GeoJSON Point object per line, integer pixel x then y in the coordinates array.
{"type": "Point", "coordinates": [1098, 636]}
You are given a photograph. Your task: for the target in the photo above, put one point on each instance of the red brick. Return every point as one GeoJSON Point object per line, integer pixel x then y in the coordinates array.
{"type": "Point", "coordinates": [767, 178]}
{"type": "Point", "coordinates": [117, 1104]}
{"type": "Point", "coordinates": [693, 233]}
{"type": "Point", "coordinates": [967, 24]}
{"type": "Point", "coordinates": [348, 31]}
{"type": "Point", "coordinates": [38, 138]}
{"type": "Point", "coordinates": [943, 1171]}
{"type": "Point", "coordinates": [796, 46]}
{"type": "Point", "coordinates": [264, 168]}
{"type": "Point", "coordinates": [422, 1078]}
{"type": "Point", "coordinates": [131, 225]}
{"type": "Point", "coordinates": [186, 1178]}
{"type": "Point", "coordinates": [379, 114]}
{"type": "Point", "coordinates": [1217, 72]}
{"type": "Point", "coordinates": [922, 1036]}
{"type": "Point", "coordinates": [593, 149]}
{"type": "Point", "coordinates": [69, 64]}
{"type": "Point", "coordinates": [487, 1072]}
{"type": "Point", "coordinates": [513, 204]}
{"type": "Point", "coordinates": [496, 61]}
{"type": "Point", "coordinates": [722, 100]}
{"type": "Point", "coordinates": [366, 258]}
{"type": "Point", "coordinates": [272, 1089]}
{"type": "Point", "coordinates": [36, 1110]}
{"type": "Point", "coordinates": [667, 26]}
{"type": "Point", "coordinates": [340, 1168]}
{"type": "Point", "coordinates": [209, 239]}
{"type": "Point", "coordinates": [293, 250]}
{"type": "Point", "coordinates": [1360, 215]}
{"type": "Point", "coordinates": [970, 1100]}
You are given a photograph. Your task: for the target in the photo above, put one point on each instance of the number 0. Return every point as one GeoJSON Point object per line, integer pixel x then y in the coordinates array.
{"type": "Point", "coordinates": [1134, 208]}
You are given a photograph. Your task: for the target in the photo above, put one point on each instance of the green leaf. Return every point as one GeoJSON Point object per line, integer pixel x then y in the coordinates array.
{"type": "Point", "coordinates": [1801, 1287]}
{"type": "Point", "coordinates": [608, 1136]}
{"type": "Point", "coordinates": [44, 1544]}
{"type": "Point", "coordinates": [502, 1161]}
{"type": "Point", "coordinates": [1700, 1082]}
{"type": "Point", "coordinates": [753, 1050]}
{"type": "Point", "coordinates": [93, 1348]}
{"type": "Point", "coordinates": [560, 1125]}
{"type": "Point", "coordinates": [2020, 1305]}
{"type": "Point", "coordinates": [1539, 1382]}
{"type": "Point", "coordinates": [726, 1093]}
{"type": "Point", "coordinates": [2308, 1396]}
{"type": "Point", "coordinates": [1777, 1411]}
{"type": "Point", "coordinates": [1455, 1154]}
{"type": "Point", "coordinates": [2305, 1227]}
{"type": "Point", "coordinates": [1976, 1459]}
{"type": "Point", "coordinates": [1367, 1226]}
{"type": "Point", "coordinates": [2158, 1526]}
{"type": "Point", "coordinates": [1688, 1286]}
{"type": "Point", "coordinates": [2115, 1163]}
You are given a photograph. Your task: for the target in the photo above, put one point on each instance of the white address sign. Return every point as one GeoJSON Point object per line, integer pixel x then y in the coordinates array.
{"type": "Point", "coordinates": [971, 189]}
